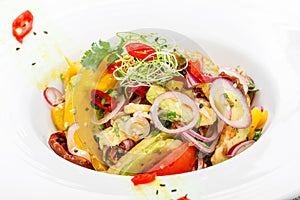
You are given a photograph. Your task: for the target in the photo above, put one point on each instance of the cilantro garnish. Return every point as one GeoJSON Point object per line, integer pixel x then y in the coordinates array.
{"type": "Point", "coordinates": [94, 56]}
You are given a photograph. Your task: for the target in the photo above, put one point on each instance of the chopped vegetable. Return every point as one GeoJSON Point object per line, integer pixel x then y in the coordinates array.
{"type": "Point", "coordinates": [141, 51]}
{"type": "Point", "coordinates": [22, 25]}
{"type": "Point", "coordinates": [143, 178]}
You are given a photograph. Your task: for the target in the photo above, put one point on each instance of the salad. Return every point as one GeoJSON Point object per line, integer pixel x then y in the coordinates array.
{"type": "Point", "coordinates": [146, 105]}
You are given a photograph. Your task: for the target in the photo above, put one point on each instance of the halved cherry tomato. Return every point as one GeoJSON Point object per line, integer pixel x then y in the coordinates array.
{"type": "Point", "coordinates": [143, 178]}
{"type": "Point", "coordinates": [140, 51]}
{"type": "Point", "coordinates": [195, 68]}
{"type": "Point", "coordinates": [174, 164]}
{"type": "Point", "coordinates": [22, 25]}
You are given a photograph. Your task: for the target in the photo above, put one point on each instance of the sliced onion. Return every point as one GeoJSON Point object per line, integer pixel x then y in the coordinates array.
{"type": "Point", "coordinates": [192, 81]}
{"type": "Point", "coordinates": [71, 143]}
{"type": "Point", "coordinates": [183, 99]}
{"type": "Point", "coordinates": [137, 126]}
{"type": "Point", "coordinates": [232, 72]}
{"type": "Point", "coordinates": [198, 144]}
{"type": "Point", "coordinates": [201, 163]}
{"type": "Point", "coordinates": [53, 96]}
{"type": "Point", "coordinates": [217, 90]}
{"type": "Point", "coordinates": [240, 147]}
{"type": "Point", "coordinates": [121, 101]}
{"type": "Point", "coordinates": [211, 138]}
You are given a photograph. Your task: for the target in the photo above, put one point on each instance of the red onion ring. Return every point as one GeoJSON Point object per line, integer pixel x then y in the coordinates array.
{"type": "Point", "coordinates": [140, 120]}
{"type": "Point", "coordinates": [121, 101]}
{"type": "Point", "coordinates": [71, 143]}
{"type": "Point", "coordinates": [53, 96]}
{"type": "Point", "coordinates": [198, 145]}
{"type": "Point", "coordinates": [183, 99]}
{"type": "Point", "coordinates": [240, 147]}
{"type": "Point", "coordinates": [211, 138]}
{"type": "Point", "coordinates": [218, 88]}
{"type": "Point", "coordinates": [231, 72]}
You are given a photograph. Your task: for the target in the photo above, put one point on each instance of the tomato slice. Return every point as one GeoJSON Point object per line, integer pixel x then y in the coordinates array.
{"type": "Point", "coordinates": [140, 51]}
{"type": "Point", "coordinates": [143, 178]}
{"type": "Point", "coordinates": [22, 25]}
{"type": "Point", "coordinates": [183, 159]}
{"type": "Point", "coordinates": [195, 68]}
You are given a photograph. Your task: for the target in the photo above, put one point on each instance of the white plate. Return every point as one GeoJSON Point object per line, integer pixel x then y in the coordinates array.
{"type": "Point", "coordinates": [240, 33]}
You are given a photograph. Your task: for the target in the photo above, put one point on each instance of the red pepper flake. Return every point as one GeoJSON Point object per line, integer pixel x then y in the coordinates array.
{"type": "Point", "coordinates": [183, 198]}
{"type": "Point", "coordinates": [22, 25]}
{"type": "Point", "coordinates": [143, 178]}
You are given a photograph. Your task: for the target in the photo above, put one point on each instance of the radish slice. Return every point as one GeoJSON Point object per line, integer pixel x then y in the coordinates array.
{"type": "Point", "coordinates": [240, 147]}
{"type": "Point", "coordinates": [71, 143]}
{"type": "Point", "coordinates": [53, 96]}
{"type": "Point", "coordinates": [182, 99]}
{"type": "Point", "coordinates": [229, 103]}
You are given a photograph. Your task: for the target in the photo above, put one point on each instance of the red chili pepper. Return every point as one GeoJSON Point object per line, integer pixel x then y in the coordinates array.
{"type": "Point", "coordinates": [97, 97]}
{"type": "Point", "coordinates": [183, 198]}
{"type": "Point", "coordinates": [22, 25]}
{"type": "Point", "coordinates": [140, 51]}
{"type": "Point", "coordinates": [140, 91]}
{"type": "Point", "coordinates": [112, 67]}
{"type": "Point", "coordinates": [143, 178]}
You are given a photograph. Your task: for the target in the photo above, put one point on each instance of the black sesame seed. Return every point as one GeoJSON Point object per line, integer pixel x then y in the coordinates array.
{"type": "Point", "coordinates": [162, 185]}
{"type": "Point", "coordinates": [46, 32]}
{"type": "Point", "coordinates": [34, 33]}
{"type": "Point", "coordinates": [156, 192]}
{"type": "Point", "coordinates": [18, 48]}
{"type": "Point", "coordinates": [75, 150]}
{"type": "Point", "coordinates": [201, 105]}
{"type": "Point", "coordinates": [174, 190]}
{"type": "Point", "coordinates": [33, 64]}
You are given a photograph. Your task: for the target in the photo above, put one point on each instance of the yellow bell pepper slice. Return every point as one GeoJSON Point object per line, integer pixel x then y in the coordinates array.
{"type": "Point", "coordinates": [256, 117]}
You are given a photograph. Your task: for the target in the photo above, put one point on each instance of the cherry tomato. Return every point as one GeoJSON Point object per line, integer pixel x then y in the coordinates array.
{"type": "Point", "coordinates": [195, 68]}
{"type": "Point", "coordinates": [140, 51]}
{"type": "Point", "coordinates": [143, 178]}
{"type": "Point", "coordinates": [22, 25]}
{"type": "Point", "coordinates": [172, 164]}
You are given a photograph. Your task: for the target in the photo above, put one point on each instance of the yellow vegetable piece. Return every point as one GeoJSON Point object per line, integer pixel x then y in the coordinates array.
{"type": "Point", "coordinates": [73, 69]}
{"type": "Point", "coordinates": [256, 117]}
{"type": "Point", "coordinates": [106, 82]}
{"type": "Point", "coordinates": [263, 119]}
{"type": "Point", "coordinates": [98, 166]}
{"type": "Point", "coordinates": [57, 115]}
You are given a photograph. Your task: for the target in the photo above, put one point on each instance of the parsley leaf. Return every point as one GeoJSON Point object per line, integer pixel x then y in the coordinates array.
{"type": "Point", "coordinates": [93, 57]}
